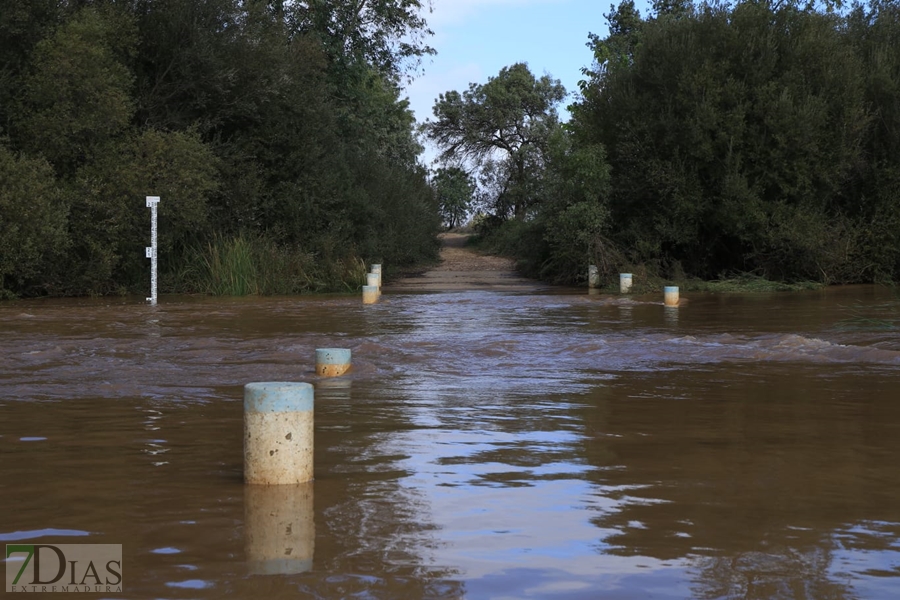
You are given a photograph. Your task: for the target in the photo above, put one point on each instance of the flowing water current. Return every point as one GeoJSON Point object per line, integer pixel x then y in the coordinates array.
{"type": "Point", "coordinates": [485, 445]}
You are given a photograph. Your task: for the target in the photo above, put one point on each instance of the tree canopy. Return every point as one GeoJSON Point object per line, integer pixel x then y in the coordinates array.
{"type": "Point", "coordinates": [502, 127]}
{"type": "Point", "coordinates": [736, 135]}
{"type": "Point", "coordinates": [455, 190]}
{"type": "Point", "coordinates": [706, 138]}
{"type": "Point", "coordinates": [713, 139]}
{"type": "Point", "coordinates": [271, 121]}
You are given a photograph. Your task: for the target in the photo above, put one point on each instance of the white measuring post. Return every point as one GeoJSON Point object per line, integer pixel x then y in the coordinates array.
{"type": "Point", "coordinates": [152, 204]}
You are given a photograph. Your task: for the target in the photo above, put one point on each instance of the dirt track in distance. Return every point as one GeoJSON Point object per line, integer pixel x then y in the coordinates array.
{"type": "Point", "coordinates": [463, 268]}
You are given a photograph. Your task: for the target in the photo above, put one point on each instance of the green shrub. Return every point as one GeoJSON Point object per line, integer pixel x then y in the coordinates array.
{"type": "Point", "coordinates": [251, 264]}
{"type": "Point", "coordinates": [32, 225]}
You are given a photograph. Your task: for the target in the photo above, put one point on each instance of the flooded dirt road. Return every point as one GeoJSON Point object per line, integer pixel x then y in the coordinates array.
{"type": "Point", "coordinates": [487, 444]}
{"type": "Point", "coordinates": [462, 268]}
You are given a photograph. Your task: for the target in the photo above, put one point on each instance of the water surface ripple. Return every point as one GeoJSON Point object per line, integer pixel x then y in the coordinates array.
{"type": "Point", "coordinates": [485, 445]}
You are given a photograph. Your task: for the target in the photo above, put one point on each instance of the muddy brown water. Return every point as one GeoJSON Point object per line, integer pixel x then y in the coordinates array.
{"type": "Point", "coordinates": [486, 444]}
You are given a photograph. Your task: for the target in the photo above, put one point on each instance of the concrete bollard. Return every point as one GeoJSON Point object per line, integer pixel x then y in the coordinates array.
{"type": "Point", "coordinates": [279, 528]}
{"type": "Point", "coordinates": [332, 362]}
{"type": "Point", "coordinates": [370, 294]}
{"type": "Point", "coordinates": [278, 433]}
{"type": "Point", "coordinates": [670, 295]}
{"type": "Point", "coordinates": [377, 270]}
{"type": "Point", "coordinates": [374, 280]}
{"type": "Point", "coordinates": [624, 282]}
{"type": "Point", "coordinates": [593, 276]}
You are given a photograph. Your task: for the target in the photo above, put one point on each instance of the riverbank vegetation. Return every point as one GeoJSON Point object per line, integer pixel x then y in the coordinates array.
{"type": "Point", "coordinates": [742, 143]}
{"type": "Point", "coordinates": [748, 141]}
{"type": "Point", "coordinates": [274, 133]}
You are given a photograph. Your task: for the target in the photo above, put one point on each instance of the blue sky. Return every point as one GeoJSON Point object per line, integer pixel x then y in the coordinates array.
{"type": "Point", "coordinates": [476, 38]}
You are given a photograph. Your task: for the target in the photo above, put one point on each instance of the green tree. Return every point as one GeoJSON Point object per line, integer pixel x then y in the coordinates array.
{"type": "Point", "coordinates": [734, 135]}
{"type": "Point", "coordinates": [109, 222]}
{"type": "Point", "coordinates": [455, 192]}
{"type": "Point", "coordinates": [388, 35]}
{"type": "Point", "coordinates": [624, 23]}
{"type": "Point", "coordinates": [77, 95]}
{"type": "Point", "coordinates": [575, 215]}
{"type": "Point", "coordinates": [502, 126]}
{"type": "Point", "coordinates": [282, 122]}
{"type": "Point", "coordinates": [22, 26]}
{"type": "Point", "coordinates": [213, 66]}
{"type": "Point", "coordinates": [32, 225]}
{"type": "Point", "coordinates": [874, 32]}
{"type": "Point", "coordinates": [674, 9]}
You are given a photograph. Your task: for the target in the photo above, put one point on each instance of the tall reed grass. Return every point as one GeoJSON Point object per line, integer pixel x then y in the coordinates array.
{"type": "Point", "coordinates": [251, 264]}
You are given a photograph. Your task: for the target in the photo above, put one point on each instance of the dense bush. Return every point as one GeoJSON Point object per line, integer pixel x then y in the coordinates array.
{"type": "Point", "coordinates": [33, 219]}
{"type": "Point", "coordinates": [751, 137]}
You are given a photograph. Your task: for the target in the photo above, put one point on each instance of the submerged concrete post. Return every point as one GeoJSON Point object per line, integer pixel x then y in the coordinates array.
{"type": "Point", "coordinates": [278, 433]}
{"type": "Point", "coordinates": [370, 294]}
{"type": "Point", "coordinates": [593, 277]}
{"type": "Point", "coordinates": [624, 283]}
{"type": "Point", "coordinates": [376, 269]}
{"type": "Point", "coordinates": [332, 362]}
{"type": "Point", "coordinates": [279, 528]}
{"type": "Point", "coordinates": [670, 295]}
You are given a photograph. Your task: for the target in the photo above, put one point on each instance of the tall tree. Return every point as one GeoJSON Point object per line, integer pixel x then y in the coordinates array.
{"type": "Point", "coordinates": [77, 95]}
{"type": "Point", "coordinates": [278, 119]}
{"type": "Point", "coordinates": [32, 224]}
{"type": "Point", "coordinates": [388, 35]}
{"type": "Point", "coordinates": [22, 26]}
{"type": "Point", "coordinates": [503, 126]}
{"type": "Point", "coordinates": [455, 191]}
{"type": "Point", "coordinates": [733, 134]}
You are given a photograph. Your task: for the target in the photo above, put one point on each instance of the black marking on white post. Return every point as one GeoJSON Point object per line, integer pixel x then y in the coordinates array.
{"type": "Point", "coordinates": [152, 203]}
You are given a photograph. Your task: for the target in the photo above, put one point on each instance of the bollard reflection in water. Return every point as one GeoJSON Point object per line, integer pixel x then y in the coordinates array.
{"type": "Point", "coordinates": [671, 315]}
{"type": "Point", "coordinates": [333, 390]}
{"type": "Point", "coordinates": [279, 528]}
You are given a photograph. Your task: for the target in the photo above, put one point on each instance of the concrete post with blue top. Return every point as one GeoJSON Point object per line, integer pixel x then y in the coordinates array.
{"type": "Point", "coordinates": [370, 294]}
{"type": "Point", "coordinates": [670, 295]}
{"type": "Point", "coordinates": [332, 362]}
{"type": "Point", "coordinates": [278, 433]}
{"type": "Point", "coordinates": [624, 283]}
